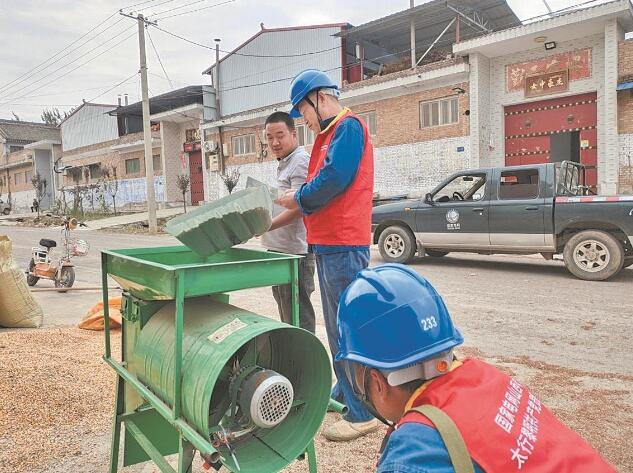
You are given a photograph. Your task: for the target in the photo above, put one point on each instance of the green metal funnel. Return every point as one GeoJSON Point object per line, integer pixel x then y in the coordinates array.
{"type": "Point", "coordinates": [229, 221]}
{"type": "Point", "coordinates": [228, 353]}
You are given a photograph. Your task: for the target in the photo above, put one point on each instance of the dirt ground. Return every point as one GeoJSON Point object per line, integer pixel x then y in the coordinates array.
{"type": "Point", "coordinates": [568, 340]}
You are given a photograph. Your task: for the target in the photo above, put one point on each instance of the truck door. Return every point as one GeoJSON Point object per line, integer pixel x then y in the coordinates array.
{"type": "Point", "coordinates": [457, 216]}
{"type": "Point", "coordinates": [517, 210]}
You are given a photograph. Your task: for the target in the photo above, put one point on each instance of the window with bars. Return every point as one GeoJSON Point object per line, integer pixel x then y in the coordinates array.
{"type": "Point", "coordinates": [158, 163]}
{"type": "Point", "coordinates": [95, 171]}
{"type": "Point", "coordinates": [370, 119]}
{"type": "Point", "coordinates": [17, 178]}
{"type": "Point", "coordinates": [243, 144]}
{"type": "Point", "coordinates": [439, 112]}
{"type": "Point", "coordinates": [132, 166]}
{"type": "Point", "coordinates": [305, 136]}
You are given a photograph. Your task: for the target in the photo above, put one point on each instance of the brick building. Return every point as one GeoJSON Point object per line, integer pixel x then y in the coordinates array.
{"type": "Point", "coordinates": [99, 137]}
{"type": "Point", "coordinates": [27, 148]}
{"type": "Point", "coordinates": [491, 91]}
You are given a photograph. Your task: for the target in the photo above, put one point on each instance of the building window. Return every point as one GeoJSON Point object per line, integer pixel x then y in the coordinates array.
{"type": "Point", "coordinates": [243, 144]}
{"type": "Point", "coordinates": [14, 148]}
{"type": "Point", "coordinates": [17, 178]}
{"type": "Point", "coordinates": [521, 184]}
{"type": "Point", "coordinates": [132, 166]}
{"type": "Point", "coordinates": [158, 163]}
{"type": "Point", "coordinates": [28, 175]}
{"type": "Point", "coordinates": [95, 171]}
{"type": "Point", "coordinates": [305, 136]}
{"type": "Point", "coordinates": [370, 119]}
{"type": "Point", "coordinates": [439, 112]}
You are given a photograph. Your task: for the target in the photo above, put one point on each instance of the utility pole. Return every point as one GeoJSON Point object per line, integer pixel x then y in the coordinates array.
{"type": "Point", "coordinates": [216, 84]}
{"type": "Point", "coordinates": [412, 33]}
{"type": "Point", "coordinates": [147, 127]}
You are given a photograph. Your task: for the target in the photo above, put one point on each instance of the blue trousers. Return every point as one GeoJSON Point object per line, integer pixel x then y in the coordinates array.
{"type": "Point", "coordinates": [336, 271]}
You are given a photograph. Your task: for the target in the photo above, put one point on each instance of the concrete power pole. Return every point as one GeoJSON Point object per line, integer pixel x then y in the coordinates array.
{"type": "Point", "coordinates": [216, 84]}
{"type": "Point", "coordinates": [147, 127]}
{"type": "Point", "coordinates": [412, 34]}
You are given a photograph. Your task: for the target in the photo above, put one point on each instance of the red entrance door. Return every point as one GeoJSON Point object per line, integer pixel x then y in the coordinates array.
{"type": "Point", "coordinates": [537, 132]}
{"type": "Point", "coordinates": [195, 175]}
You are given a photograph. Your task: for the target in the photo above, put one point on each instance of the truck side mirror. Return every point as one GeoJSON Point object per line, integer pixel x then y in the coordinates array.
{"type": "Point", "coordinates": [428, 199]}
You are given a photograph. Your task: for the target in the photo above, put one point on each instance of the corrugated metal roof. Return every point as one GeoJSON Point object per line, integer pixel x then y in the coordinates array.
{"type": "Point", "coordinates": [164, 102]}
{"type": "Point", "coordinates": [27, 132]}
{"type": "Point", "coordinates": [209, 69]}
{"type": "Point", "coordinates": [393, 31]}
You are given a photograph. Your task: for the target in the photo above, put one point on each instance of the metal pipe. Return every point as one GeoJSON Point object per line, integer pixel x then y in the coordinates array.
{"type": "Point", "coordinates": [106, 304]}
{"type": "Point", "coordinates": [66, 289]}
{"type": "Point", "coordinates": [199, 442]}
{"type": "Point", "coordinates": [337, 407]}
{"type": "Point", "coordinates": [436, 40]}
{"type": "Point", "coordinates": [180, 309]}
{"type": "Point", "coordinates": [147, 445]}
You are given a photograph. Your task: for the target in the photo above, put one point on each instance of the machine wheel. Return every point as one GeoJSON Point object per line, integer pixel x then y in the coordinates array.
{"type": "Point", "coordinates": [30, 279]}
{"type": "Point", "coordinates": [593, 255]}
{"type": "Point", "coordinates": [628, 261]}
{"type": "Point", "coordinates": [6, 211]}
{"type": "Point", "coordinates": [66, 278]}
{"type": "Point", "coordinates": [435, 253]}
{"type": "Point", "coordinates": [397, 244]}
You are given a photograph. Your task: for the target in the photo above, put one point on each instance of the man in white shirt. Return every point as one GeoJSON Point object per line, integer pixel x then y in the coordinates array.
{"type": "Point", "coordinates": [288, 233]}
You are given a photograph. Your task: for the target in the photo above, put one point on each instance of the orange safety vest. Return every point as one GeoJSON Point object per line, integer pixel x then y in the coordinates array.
{"type": "Point", "coordinates": [346, 219]}
{"type": "Point", "coordinates": [505, 428]}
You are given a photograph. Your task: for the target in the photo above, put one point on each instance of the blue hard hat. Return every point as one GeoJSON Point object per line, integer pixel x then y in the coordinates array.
{"type": "Point", "coordinates": [390, 318]}
{"type": "Point", "coordinates": [304, 83]}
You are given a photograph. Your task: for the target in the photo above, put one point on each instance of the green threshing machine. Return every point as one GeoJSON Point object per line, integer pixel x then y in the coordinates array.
{"type": "Point", "coordinates": [196, 373]}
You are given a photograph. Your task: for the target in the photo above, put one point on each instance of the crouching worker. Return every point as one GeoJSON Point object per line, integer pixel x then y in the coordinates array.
{"type": "Point", "coordinates": [445, 415]}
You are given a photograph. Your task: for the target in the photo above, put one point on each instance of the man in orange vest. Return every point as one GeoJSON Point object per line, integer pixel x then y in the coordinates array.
{"type": "Point", "coordinates": [336, 203]}
{"type": "Point", "coordinates": [445, 415]}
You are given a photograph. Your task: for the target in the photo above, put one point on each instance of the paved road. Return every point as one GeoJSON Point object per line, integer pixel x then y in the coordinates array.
{"type": "Point", "coordinates": [504, 304]}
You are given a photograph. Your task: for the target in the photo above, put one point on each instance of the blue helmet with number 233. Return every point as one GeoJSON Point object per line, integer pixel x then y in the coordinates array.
{"type": "Point", "coordinates": [390, 318]}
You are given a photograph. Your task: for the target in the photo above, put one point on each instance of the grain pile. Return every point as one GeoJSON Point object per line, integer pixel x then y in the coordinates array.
{"type": "Point", "coordinates": [58, 398]}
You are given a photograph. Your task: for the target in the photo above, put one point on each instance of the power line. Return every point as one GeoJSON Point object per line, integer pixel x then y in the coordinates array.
{"type": "Point", "coordinates": [158, 57]}
{"type": "Point", "coordinates": [11, 95]}
{"type": "Point", "coordinates": [136, 4]}
{"type": "Point", "coordinates": [27, 75]}
{"type": "Point", "coordinates": [244, 54]}
{"type": "Point", "coordinates": [196, 10]}
{"type": "Point", "coordinates": [74, 69]}
{"type": "Point", "coordinates": [114, 87]}
{"type": "Point", "coordinates": [178, 7]}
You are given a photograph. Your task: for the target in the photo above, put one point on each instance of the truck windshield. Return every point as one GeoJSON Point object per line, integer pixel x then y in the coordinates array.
{"type": "Point", "coordinates": [465, 187]}
{"type": "Point", "coordinates": [568, 179]}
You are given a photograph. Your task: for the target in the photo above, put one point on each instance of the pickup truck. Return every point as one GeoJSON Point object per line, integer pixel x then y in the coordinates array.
{"type": "Point", "coordinates": [542, 208]}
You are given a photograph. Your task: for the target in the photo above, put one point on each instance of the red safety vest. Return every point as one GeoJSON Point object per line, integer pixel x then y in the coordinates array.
{"type": "Point", "coordinates": [346, 219]}
{"type": "Point", "coordinates": [505, 428]}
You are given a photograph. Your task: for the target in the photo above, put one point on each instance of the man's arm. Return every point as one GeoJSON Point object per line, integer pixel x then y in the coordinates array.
{"type": "Point", "coordinates": [285, 218]}
{"type": "Point", "coordinates": [340, 168]}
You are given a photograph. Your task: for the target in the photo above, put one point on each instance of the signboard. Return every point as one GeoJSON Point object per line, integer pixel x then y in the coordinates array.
{"type": "Point", "coordinates": [547, 83]}
{"type": "Point", "coordinates": [192, 134]}
{"type": "Point", "coordinates": [578, 63]}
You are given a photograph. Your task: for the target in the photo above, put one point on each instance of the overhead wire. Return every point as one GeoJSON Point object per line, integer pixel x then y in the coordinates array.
{"type": "Point", "coordinates": [29, 74]}
{"type": "Point", "coordinates": [158, 57]}
{"type": "Point", "coordinates": [193, 11]}
{"type": "Point", "coordinates": [75, 68]}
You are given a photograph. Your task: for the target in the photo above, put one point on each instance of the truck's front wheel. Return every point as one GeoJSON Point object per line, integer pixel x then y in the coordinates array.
{"type": "Point", "coordinates": [593, 255]}
{"type": "Point", "coordinates": [396, 244]}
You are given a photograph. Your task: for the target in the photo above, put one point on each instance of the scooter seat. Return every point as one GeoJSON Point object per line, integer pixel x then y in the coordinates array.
{"type": "Point", "coordinates": [46, 243]}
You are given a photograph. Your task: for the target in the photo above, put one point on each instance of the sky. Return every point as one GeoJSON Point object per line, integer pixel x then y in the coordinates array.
{"type": "Point", "coordinates": [37, 73]}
